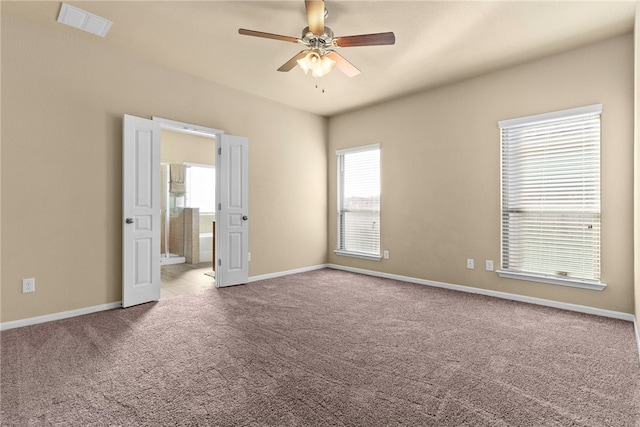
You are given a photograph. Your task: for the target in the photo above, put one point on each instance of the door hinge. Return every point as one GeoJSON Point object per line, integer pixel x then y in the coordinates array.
{"type": "Point", "coordinates": [219, 262]}
{"type": "Point", "coordinates": [219, 206]}
{"type": "Point", "coordinates": [219, 151]}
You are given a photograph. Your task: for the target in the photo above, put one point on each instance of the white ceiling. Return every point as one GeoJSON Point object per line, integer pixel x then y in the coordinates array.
{"type": "Point", "coordinates": [436, 41]}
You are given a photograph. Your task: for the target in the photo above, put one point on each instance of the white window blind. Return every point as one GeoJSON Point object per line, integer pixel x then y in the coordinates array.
{"type": "Point", "coordinates": [551, 195]}
{"type": "Point", "coordinates": [359, 202]}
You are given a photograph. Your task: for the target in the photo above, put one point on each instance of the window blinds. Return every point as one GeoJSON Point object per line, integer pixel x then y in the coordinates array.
{"type": "Point", "coordinates": [551, 194]}
{"type": "Point", "coordinates": [359, 201]}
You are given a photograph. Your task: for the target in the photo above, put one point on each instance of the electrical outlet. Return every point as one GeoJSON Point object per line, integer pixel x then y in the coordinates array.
{"type": "Point", "coordinates": [488, 265]}
{"type": "Point", "coordinates": [385, 254]}
{"type": "Point", "coordinates": [28, 285]}
{"type": "Point", "coordinates": [470, 264]}
{"type": "Point", "coordinates": [249, 257]}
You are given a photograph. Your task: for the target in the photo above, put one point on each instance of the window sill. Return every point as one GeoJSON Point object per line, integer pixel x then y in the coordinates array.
{"type": "Point", "coordinates": [358, 255]}
{"type": "Point", "coordinates": [553, 280]}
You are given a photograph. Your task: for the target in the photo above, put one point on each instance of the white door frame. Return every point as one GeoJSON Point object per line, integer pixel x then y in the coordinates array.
{"type": "Point", "coordinates": [219, 135]}
{"type": "Point", "coordinates": [187, 127]}
{"type": "Point", "coordinates": [193, 129]}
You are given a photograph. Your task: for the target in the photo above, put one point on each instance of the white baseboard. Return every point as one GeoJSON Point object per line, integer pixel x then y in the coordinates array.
{"type": "Point", "coordinates": [58, 316]}
{"type": "Point", "coordinates": [287, 272]}
{"type": "Point", "coordinates": [87, 310]}
{"type": "Point", "coordinates": [504, 295]}
{"type": "Point", "coordinates": [461, 288]}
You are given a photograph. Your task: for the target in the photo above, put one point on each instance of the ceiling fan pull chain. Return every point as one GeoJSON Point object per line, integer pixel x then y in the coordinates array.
{"type": "Point", "coordinates": [321, 88]}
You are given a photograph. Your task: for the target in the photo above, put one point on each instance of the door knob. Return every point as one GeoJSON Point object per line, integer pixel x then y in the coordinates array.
{"type": "Point", "coordinates": [244, 217]}
{"type": "Point", "coordinates": [129, 221]}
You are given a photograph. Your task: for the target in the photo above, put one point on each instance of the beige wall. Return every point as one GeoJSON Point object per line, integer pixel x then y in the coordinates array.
{"type": "Point", "coordinates": [180, 147]}
{"type": "Point", "coordinates": [440, 154]}
{"type": "Point", "coordinates": [63, 97]}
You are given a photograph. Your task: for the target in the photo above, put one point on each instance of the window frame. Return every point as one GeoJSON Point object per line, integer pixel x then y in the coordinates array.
{"type": "Point", "coordinates": [542, 277]}
{"type": "Point", "coordinates": [339, 250]}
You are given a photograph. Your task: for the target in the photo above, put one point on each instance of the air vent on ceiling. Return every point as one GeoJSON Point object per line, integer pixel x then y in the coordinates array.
{"type": "Point", "coordinates": [78, 18]}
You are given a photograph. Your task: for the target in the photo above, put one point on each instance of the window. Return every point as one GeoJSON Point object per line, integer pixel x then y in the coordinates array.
{"type": "Point", "coordinates": [359, 202]}
{"type": "Point", "coordinates": [551, 197]}
{"type": "Point", "coordinates": [201, 187]}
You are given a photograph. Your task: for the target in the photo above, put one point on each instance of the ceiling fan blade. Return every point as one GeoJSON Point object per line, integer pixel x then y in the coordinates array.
{"type": "Point", "coordinates": [343, 65]}
{"type": "Point", "coordinates": [290, 64]}
{"type": "Point", "coordinates": [315, 16]}
{"type": "Point", "coordinates": [268, 35]}
{"type": "Point", "coordinates": [366, 40]}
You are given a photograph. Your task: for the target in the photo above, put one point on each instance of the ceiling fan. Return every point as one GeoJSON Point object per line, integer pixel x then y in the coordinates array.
{"type": "Point", "coordinates": [320, 57]}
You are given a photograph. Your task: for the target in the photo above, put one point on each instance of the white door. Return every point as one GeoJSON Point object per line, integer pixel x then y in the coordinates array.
{"type": "Point", "coordinates": [232, 217]}
{"type": "Point", "coordinates": [141, 211]}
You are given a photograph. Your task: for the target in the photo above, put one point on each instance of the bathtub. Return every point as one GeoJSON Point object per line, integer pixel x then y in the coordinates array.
{"type": "Point", "coordinates": [206, 247]}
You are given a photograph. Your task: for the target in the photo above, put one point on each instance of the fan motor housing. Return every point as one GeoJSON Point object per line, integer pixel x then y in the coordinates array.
{"type": "Point", "coordinates": [317, 40]}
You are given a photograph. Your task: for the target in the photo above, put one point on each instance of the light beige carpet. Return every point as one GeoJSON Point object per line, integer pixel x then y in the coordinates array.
{"type": "Point", "coordinates": [324, 348]}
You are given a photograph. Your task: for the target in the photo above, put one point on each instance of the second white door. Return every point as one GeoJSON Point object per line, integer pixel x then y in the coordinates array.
{"type": "Point", "coordinates": [232, 215]}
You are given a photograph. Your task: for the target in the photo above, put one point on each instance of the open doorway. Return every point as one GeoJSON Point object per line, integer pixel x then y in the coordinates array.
{"type": "Point", "coordinates": [141, 207]}
{"type": "Point", "coordinates": [187, 219]}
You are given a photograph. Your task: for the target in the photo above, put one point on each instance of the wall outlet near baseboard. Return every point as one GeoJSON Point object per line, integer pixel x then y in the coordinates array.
{"type": "Point", "coordinates": [470, 263]}
{"type": "Point", "coordinates": [28, 285]}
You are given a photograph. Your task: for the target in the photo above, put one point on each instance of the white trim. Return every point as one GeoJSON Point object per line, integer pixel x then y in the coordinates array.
{"type": "Point", "coordinates": [58, 316]}
{"type": "Point", "coordinates": [287, 272]}
{"type": "Point", "coordinates": [187, 127]}
{"type": "Point", "coordinates": [554, 115]}
{"type": "Point", "coordinates": [199, 165]}
{"type": "Point", "coordinates": [497, 294]}
{"type": "Point", "coordinates": [357, 149]}
{"type": "Point", "coordinates": [552, 280]}
{"type": "Point", "coordinates": [360, 255]}
{"type": "Point", "coordinates": [504, 295]}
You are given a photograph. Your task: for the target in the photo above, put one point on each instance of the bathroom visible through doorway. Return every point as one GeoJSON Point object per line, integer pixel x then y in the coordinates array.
{"type": "Point", "coordinates": [188, 182]}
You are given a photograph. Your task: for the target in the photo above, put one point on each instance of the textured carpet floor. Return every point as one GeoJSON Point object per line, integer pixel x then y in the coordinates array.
{"type": "Point", "coordinates": [323, 348]}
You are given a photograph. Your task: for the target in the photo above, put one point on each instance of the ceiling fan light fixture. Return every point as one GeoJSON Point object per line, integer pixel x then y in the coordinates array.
{"type": "Point", "coordinates": [326, 66]}
{"type": "Point", "coordinates": [310, 61]}
{"type": "Point", "coordinates": [318, 63]}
